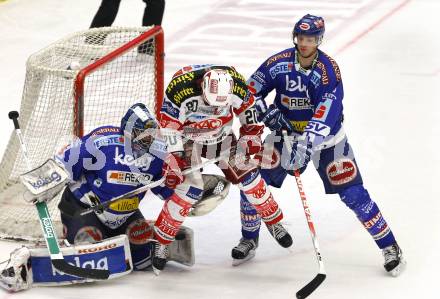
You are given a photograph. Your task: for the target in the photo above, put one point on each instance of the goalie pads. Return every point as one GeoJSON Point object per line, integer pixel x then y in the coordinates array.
{"type": "Point", "coordinates": [44, 182]}
{"type": "Point", "coordinates": [181, 250]}
{"type": "Point", "coordinates": [31, 266]}
{"type": "Point", "coordinates": [215, 190]}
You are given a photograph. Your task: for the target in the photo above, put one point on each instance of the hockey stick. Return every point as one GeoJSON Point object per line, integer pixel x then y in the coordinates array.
{"type": "Point", "coordinates": [104, 205]}
{"type": "Point", "coordinates": [315, 282]}
{"type": "Point", "coordinates": [56, 256]}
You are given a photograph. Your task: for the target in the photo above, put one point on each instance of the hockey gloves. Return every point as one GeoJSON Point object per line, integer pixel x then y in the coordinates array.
{"type": "Point", "coordinates": [250, 138]}
{"type": "Point", "coordinates": [300, 155]}
{"type": "Point", "coordinates": [273, 118]}
{"type": "Point", "coordinates": [172, 169]}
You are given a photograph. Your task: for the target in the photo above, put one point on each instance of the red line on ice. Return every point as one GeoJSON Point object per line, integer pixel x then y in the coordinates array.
{"type": "Point", "coordinates": [371, 27]}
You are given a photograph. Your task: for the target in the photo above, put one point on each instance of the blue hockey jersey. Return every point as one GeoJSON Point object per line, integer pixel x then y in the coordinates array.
{"type": "Point", "coordinates": [101, 169]}
{"type": "Point", "coordinates": [311, 99]}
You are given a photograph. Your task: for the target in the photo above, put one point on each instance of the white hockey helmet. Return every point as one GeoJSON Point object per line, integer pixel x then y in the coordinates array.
{"type": "Point", "coordinates": [217, 87]}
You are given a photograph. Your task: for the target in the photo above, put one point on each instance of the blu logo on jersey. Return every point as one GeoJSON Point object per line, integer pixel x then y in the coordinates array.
{"type": "Point", "coordinates": [292, 85]}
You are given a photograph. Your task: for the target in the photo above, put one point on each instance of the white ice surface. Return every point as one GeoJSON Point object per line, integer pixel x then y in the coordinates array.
{"type": "Point", "coordinates": [390, 67]}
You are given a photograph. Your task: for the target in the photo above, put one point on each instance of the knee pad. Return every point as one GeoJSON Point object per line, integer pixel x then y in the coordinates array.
{"type": "Point", "coordinates": [256, 191]}
{"type": "Point", "coordinates": [88, 234]}
{"type": "Point", "coordinates": [139, 232]}
{"type": "Point", "coordinates": [358, 200]}
{"type": "Point", "coordinates": [355, 196]}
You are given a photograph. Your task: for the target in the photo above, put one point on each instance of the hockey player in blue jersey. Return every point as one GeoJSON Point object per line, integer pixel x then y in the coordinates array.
{"type": "Point", "coordinates": [308, 105]}
{"type": "Point", "coordinates": [107, 163]}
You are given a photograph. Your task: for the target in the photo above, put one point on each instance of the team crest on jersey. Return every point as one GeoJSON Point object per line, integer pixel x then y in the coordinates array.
{"type": "Point", "coordinates": [341, 171]}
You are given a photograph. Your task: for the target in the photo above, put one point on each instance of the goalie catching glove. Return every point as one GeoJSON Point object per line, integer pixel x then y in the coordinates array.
{"type": "Point", "coordinates": [215, 190]}
{"type": "Point", "coordinates": [300, 153]}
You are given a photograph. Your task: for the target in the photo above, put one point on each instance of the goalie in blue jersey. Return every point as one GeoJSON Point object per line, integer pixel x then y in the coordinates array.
{"type": "Point", "coordinates": [107, 163]}
{"type": "Point", "coordinates": [308, 105]}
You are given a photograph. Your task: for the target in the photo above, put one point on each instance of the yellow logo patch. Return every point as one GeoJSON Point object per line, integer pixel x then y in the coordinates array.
{"type": "Point", "coordinates": [125, 205]}
{"type": "Point", "coordinates": [299, 125]}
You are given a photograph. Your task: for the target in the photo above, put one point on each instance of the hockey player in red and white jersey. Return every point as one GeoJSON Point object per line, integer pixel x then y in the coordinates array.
{"type": "Point", "coordinates": [196, 119]}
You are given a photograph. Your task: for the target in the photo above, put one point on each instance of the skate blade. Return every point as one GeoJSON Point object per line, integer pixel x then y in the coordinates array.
{"type": "Point", "coordinates": [156, 271]}
{"type": "Point", "coordinates": [399, 268]}
{"type": "Point", "coordinates": [236, 262]}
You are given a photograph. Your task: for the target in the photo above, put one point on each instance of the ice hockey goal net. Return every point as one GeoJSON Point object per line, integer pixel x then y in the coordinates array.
{"type": "Point", "coordinates": [83, 81]}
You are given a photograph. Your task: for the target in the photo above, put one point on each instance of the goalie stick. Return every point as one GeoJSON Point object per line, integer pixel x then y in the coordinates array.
{"type": "Point", "coordinates": [320, 277]}
{"type": "Point", "coordinates": [49, 233]}
{"type": "Point", "coordinates": [104, 205]}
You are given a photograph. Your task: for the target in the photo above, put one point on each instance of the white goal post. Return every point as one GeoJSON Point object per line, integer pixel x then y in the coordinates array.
{"type": "Point", "coordinates": [80, 82]}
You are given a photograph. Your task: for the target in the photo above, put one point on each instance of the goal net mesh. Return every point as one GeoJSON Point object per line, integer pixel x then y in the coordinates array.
{"type": "Point", "coordinates": [83, 81]}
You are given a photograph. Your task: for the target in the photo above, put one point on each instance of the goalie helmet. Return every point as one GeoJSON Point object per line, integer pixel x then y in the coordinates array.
{"type": "Point", "coordinates": [309, 25]}
{"type": "Point", "coordinates": [217, 87]}
{"type": "Point", "coordinates": [140, 127]}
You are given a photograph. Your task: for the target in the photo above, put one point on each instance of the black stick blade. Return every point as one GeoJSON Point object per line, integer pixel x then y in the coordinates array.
{"type": "Point", "coordinates": [66, 268]}
{"type": "Point", "coordinates": [311, 286]}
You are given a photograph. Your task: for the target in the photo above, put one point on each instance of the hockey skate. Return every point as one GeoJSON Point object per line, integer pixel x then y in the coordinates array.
{"type": "Point", "coordinates": [160, 256]}
{"type": "Point", "coordinates": [394, 263]}
{"type": "Point", "coordinates": [244, 251]}
{"type": "Point", "coordinates": [16, 276]}
{"type": "Point", "coordinates": [280, 234]}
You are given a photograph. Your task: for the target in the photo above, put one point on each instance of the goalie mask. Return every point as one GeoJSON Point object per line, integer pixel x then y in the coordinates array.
{"type": "Point", "coordinates": [217, 87]}
{"type": "Point", "coordinates": [139, 127]}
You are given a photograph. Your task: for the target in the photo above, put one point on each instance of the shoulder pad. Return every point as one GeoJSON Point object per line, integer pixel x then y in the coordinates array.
{"type": "Point", "coordinates": [287, 53]}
